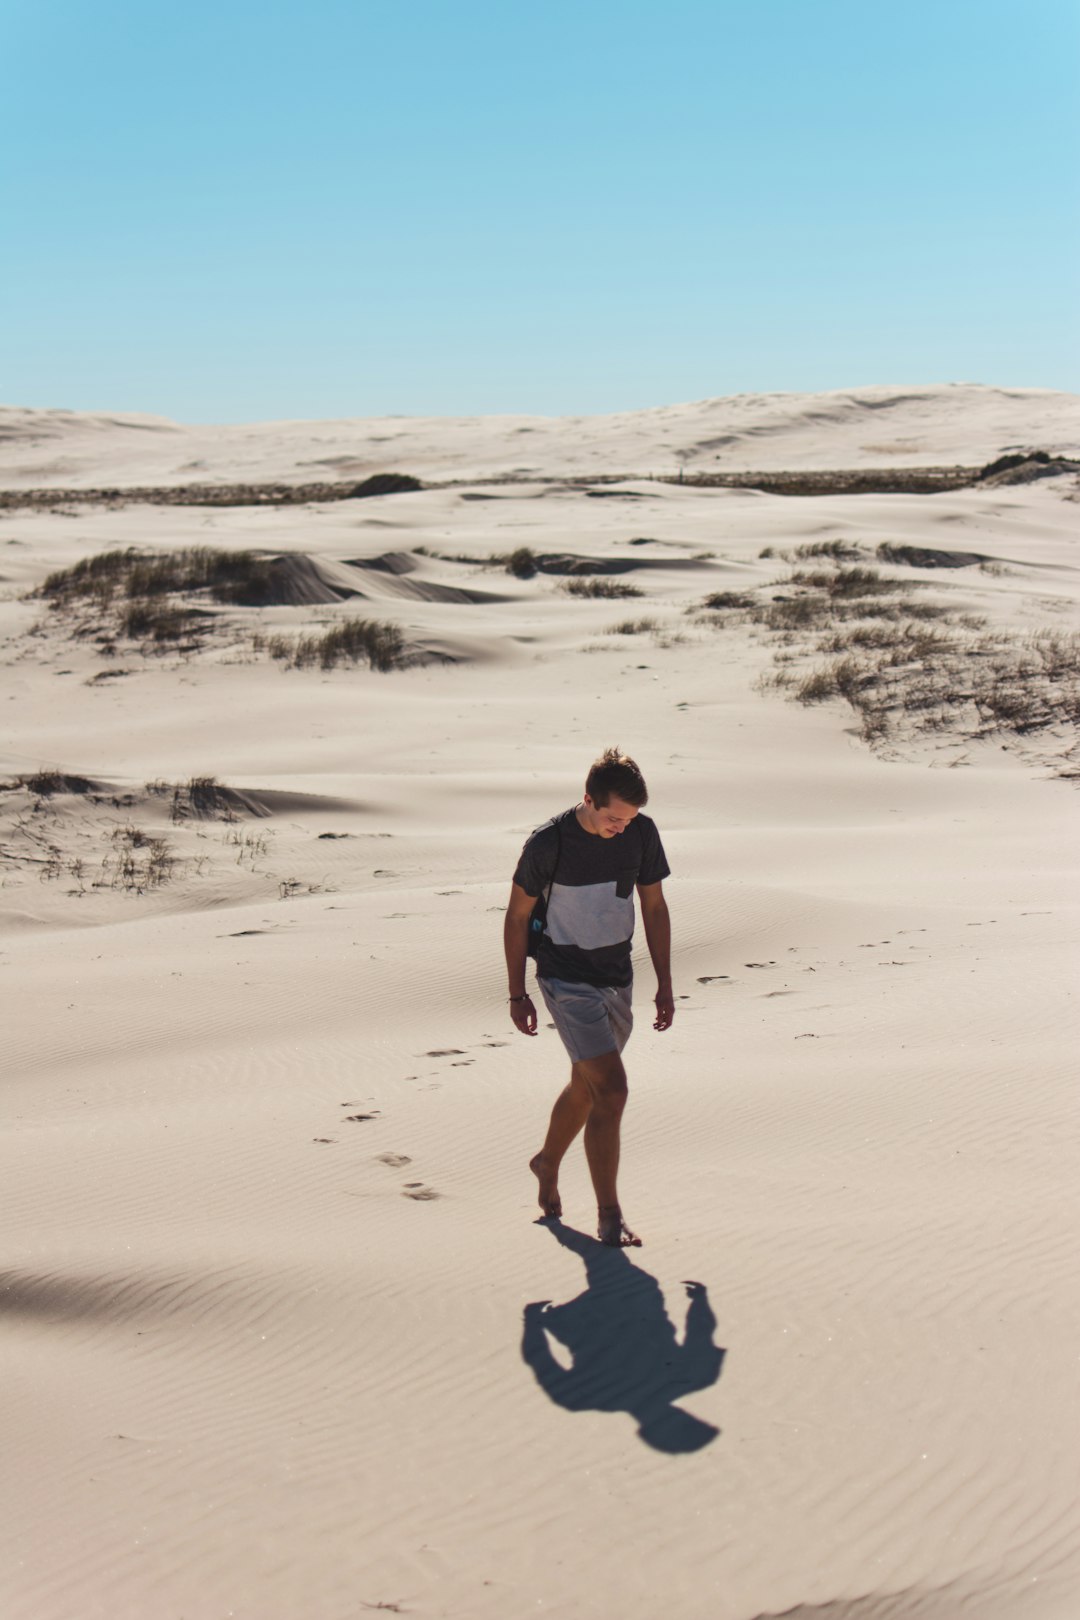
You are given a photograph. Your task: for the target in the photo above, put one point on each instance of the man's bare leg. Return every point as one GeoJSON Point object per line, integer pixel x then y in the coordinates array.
{"type": "Point", "coordinates": [568, 1116]}
{"type": "Point", "coordinates": [606, 1081]}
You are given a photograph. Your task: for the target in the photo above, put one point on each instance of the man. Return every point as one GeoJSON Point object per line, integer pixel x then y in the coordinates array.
{"type": "Point", "coordinates": [587, 862]}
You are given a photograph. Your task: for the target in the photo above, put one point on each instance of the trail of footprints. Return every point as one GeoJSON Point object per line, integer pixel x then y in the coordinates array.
{"type": "Point", "coordinates": [417, 1190]}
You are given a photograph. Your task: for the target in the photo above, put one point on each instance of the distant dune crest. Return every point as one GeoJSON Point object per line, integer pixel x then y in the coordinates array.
{"type": "Point", "coordinates": [939, 424]}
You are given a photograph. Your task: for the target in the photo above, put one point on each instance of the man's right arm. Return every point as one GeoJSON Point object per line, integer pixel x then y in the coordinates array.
{"type": "Point", "coordinates": [515, 942]}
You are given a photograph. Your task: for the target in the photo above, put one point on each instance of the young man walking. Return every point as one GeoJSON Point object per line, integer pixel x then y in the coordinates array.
{"type": "Point", "coordinates": [587, 862]}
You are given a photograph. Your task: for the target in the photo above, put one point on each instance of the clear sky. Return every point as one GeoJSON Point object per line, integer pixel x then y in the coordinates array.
{"type": "Point", "coordinates": [218, 210]}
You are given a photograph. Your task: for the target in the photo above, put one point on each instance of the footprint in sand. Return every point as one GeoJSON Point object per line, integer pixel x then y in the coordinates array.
{"type": "Point", "coordinates": [759, 964]}
{"type": "Point", "coordinates": [395, 1160]}
{"type": "Point", "coordinates": [446, 1051]}
{"type": "Point", "coordinates": [417, 1190]}
{"type": "Point", "coordinates": [360, 1119]}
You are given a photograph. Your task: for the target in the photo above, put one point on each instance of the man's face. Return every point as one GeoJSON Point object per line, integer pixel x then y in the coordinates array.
{"type": "Point", "coordinates": [611, 819]}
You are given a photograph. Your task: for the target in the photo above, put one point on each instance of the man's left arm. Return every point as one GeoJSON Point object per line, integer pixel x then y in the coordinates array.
{"type": "Point", "coordinates": [654, 915]}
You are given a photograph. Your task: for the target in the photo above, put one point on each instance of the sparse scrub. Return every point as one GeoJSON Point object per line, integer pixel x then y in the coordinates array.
{"type": "Point", "coordinates": [610, 589]}
{"type": "Point", "coordinates": [843, 678]}
{"type": "Point", "coordinates": [904, 643]}
{"type": "Point", "coordinates": [775, 680]}
{"type": "Point", "coordinates": [522, 563]}
{"type": "Point", "coordinates": [633, 627]}
{"type": "Point", "coordinates": [160, 622]}
{"type": "Point", "coordinates": [201, 798]}
{"type": "Point", "coordinates": [244, 577]}
{"type": "Point", "coordinates": [47, 782]}
{"type": "Point", "coordinates": [353, 641]}
{"type": "Point", "coordinates": [719, 600]}
{"type": "Point", "coordinates": [839, 550]}
{"type": "Point", "coordinates": [139, 861]}
{"type": "Point", "coordinates": [794, 613]}
{"type": "Point", "coordinates": [849, 582]}
{"type": "Point", "coordinates": [250, 846]}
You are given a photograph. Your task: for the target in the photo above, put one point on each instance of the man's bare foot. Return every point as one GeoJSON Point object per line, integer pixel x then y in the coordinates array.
{"type": "Point", "coordinates": [550, 1202]}
{"type": "Point", "coordinates": [614, 1231]}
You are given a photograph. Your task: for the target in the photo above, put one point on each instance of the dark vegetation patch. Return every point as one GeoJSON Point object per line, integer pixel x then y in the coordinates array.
{"type": "Point", "coordinates": [131, 595]}
{"type": "Point", "coordinates": [928, 556]}
{"type": "Point", "coordinates": [1025, 466]}
{"type": "Point", "coordinates": [848, 582]}
{"type": "Point", "coordinates": [838, 550]}
{"type": "Point", "coordinates": [48, 782]}
{"type": "Point", "coordinates": [157, 621]}
{"type": "Point", "coordinates": [607, 588]}
{"type": "Point", "coordinates": [350, 641]}
{"type": "Point", "coordinates": [1020, 467]}
{"type": "Point", "coordinates": [237, 578]}
{"type": "Point", "coordinates": [386, 484]}
{"type": "Point", "coordinates": [200, 798]}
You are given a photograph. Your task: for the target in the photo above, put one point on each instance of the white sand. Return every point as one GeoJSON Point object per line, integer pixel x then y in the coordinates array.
{"type": "Point", "coordinates": [939, 425]}
{"type": "Point", "coordinates": [249, 1372]}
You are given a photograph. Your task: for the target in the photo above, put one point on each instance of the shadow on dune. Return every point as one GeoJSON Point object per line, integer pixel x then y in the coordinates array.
{"type": "Point", "coordinates": [624, 1350]}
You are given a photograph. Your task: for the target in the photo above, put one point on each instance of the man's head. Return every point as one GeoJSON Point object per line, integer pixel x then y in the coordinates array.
{"type": "Point", "coordinates": [614, 793]}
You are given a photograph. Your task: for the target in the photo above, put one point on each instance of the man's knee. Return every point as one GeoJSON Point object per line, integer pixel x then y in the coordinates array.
{"type": "Point", "coordinates": [605, 1078]}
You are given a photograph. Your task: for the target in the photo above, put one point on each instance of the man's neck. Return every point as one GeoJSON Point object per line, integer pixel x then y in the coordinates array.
{"type": "Point", "coordinates": [580, 812]}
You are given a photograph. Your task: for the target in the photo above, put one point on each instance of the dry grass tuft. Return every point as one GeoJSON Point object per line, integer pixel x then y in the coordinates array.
{"type": "Point", "coordinates": [350, 641]}
{"type": "Point", "coordinates": [200, 798]}
{"type": "Point", "coordinates": [610, 589]}
{"type": "Point", "coordinates": [45, 783]}
{"type": "Point", "coordinates": [138, 861]}
{"type": "Point", "coordinates": [839, 550]}
{"type": "Point", "coordinates": [849, 582]}
{"type": "Point", "coordinates": [633, 627]}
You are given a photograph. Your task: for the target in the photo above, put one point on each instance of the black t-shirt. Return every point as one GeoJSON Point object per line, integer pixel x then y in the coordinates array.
{"type": "Point", "coordinates": [590, 914]}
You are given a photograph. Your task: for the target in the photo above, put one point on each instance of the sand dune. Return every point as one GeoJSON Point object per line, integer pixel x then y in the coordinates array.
{"type": "Point", "coordinates": [285, 1338]}
{"type": "Point", "coordinates": [963, 423]}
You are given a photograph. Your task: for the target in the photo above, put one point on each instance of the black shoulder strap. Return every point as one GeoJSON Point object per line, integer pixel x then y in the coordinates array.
{"type": "Point", "coordinates": [558, 855]}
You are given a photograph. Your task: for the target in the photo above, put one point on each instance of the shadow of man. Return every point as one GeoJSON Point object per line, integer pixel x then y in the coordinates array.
{"type": "Point", "coordinates": [625, 1355]}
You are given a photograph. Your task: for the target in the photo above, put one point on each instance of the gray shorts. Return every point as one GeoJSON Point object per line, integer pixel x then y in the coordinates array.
{"type": "Point", "coordinates": [592, 1019]}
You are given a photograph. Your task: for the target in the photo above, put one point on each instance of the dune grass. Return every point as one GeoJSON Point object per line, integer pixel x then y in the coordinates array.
{"type": "Point", "coordinates": [245, 578]}
{"type": "Point", "coordinates": [838, 550]}
{"type": "Point", "coordinates": [350, 641]}
{"type": "Point", "coordinates": [633, 627]}
{"type": "Point", "coordinates": [592, 587]}
{"type": "Point", "coordinates": [905, 666]}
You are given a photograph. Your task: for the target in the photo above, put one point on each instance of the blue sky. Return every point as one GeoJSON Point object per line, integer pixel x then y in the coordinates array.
{"type": "Point", "coordinates": [230, 211]}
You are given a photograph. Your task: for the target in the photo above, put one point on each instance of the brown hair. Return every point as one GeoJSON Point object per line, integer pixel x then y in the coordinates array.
{"type": "Point", "coordinates": [616, 775]}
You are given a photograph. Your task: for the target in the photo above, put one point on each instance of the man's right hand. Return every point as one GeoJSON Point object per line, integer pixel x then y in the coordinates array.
{"type": "Point", "coordinates": [523, 1014]}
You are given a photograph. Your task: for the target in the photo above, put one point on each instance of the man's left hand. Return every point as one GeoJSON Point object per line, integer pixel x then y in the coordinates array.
{"type": "Point", "coordinates": [665, 1010]}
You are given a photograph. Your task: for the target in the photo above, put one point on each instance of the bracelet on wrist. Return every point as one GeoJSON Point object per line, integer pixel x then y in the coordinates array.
{"type": "Point", "coordinates": [525, 997]}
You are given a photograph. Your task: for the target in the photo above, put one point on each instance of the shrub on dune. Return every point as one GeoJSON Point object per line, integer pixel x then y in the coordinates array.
{"type": "Point", "coordinates": [610, 589]}
{"type": "Point", "coordinates": [351, 641]}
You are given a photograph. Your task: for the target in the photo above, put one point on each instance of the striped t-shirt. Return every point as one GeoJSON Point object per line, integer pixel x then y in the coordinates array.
{"type": "Point", "coordinates": [590, 915]}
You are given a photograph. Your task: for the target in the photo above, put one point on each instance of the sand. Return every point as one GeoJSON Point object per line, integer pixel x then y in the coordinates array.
{"type": "Point", "coordinates": [284, 1339]}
